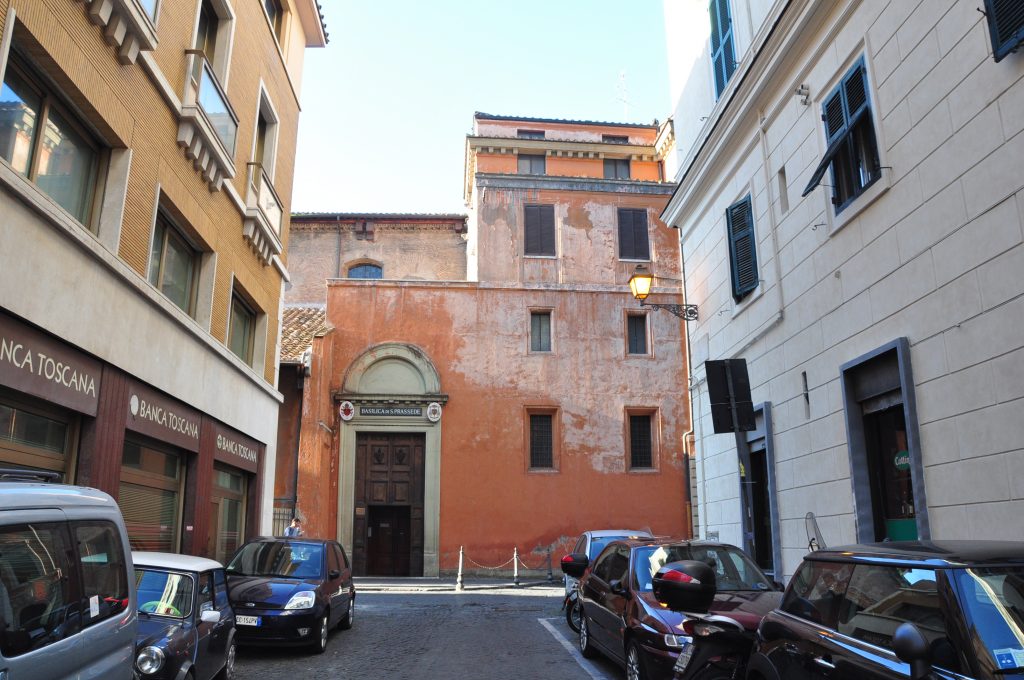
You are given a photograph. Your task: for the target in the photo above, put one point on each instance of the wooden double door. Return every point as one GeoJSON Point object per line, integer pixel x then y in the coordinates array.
{"type": "Point", "coordinates": [388, 531]}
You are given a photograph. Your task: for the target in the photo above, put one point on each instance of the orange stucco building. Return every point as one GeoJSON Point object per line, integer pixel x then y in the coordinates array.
{"type": "Point", "coordinates": [517, 403]}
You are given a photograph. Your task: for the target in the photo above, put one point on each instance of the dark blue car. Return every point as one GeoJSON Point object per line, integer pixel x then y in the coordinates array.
{"type": "Point", "coordinates": [186, 625]}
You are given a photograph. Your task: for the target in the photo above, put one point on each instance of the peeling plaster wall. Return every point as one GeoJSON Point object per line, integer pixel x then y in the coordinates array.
{"type": "Point", "coordinates": [477, 337]}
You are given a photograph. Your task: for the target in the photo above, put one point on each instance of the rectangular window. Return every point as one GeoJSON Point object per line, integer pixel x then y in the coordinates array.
{"type": "Point", "coordinates": [275, 13]}
{"type": "Point", "coordinates": [723, 53]}
{"type": "Point", "coordinates": [541, 440]}
{"type": "Point", "coordinates": [852, 153]}
{"type": "Point", "coordinates": [633, 239]}
{"type": "Point", "coordinates": [1006, 25]}
{"type": "Point", "coordinates": [636, 326]}
{"type": "Point", "coordinates": [531, 164]}
{"type": "Point", "coordinates": [174, 265]}
{"type": "Point", "coordinates": [540, 331]}
{"type": "Point", "coordinates": [616, 168]}
{"type": "Point", "coordinates": [43, 141]}
{"type": "Point", "coordinates": [641, 454]}
{"type": "Point", "coordinates": [742, 248]}
{"type": "Point", "coordinates": [615, 139]}
{"type": "Point", "coordinates": [104, 573]}
{"type": "Point", "coordinates": [539, 230]}
{"type": "Point", "coordinates": [206, 36]}
{"type": "Point", "coordinates": [530, 134]}
{"type": "Point", "coordinates": [242, 329]}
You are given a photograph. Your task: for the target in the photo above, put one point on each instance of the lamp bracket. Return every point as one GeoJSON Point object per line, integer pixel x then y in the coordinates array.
{"type": "Point", "coordinates": [686, 312]}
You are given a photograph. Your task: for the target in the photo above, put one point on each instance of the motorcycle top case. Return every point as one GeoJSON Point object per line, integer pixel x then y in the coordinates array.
{"type": "Point", "coordinates": [687, 586]}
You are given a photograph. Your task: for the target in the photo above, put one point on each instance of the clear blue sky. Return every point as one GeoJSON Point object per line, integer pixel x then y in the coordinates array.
{"type": "Point", "coordinates": [386, 106]}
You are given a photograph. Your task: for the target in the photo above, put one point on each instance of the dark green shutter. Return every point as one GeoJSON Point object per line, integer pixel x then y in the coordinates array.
{"type": "Point", "coordinates": [637, 329]}
{"type": "Point", "coordinates": [531, 230]}
{"type": "Point", "coordinates": [723, 58]}
{"type": "Point", "coordinates": [1006, 26]}
{"type": "Point", "coordinates": [547, 229]}
{"type": "Point", "coordinates": [633, 238]}
{"type": "Point", "coordinates": [742, 248]}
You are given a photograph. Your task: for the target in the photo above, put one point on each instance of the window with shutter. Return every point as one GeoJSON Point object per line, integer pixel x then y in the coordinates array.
{"type": "Point", "coordinates": [540, 331]}
{"type": "Point", "coordinates": [852, 152]}
{"type": "Point", "coordinates": [634, 243]}
{"type": "Point", "coordinates": [539, 230]}
{"type": "Point", "coordinates": [742, 248]}
{"type": "Point", "coordinates": [531, 164]}
{"type": "Point", "coordinates": [636, 328]}
{"type": "Point", "coordinates": [616, 168]}
{"type": "Point", "coordinates": [723, 57]}
{"type": "Point", "coordinates": [1006, 25]}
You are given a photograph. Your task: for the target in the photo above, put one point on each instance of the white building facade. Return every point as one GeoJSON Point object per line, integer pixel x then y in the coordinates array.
{"type": "Point", "coordinates": [850, 207]}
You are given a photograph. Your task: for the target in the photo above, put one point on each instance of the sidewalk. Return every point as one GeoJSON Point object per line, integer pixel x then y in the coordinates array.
{"type": "Point", "coordinates": [426, 584]}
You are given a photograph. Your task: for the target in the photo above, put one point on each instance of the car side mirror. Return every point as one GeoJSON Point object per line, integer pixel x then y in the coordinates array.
{"type": "Point", "coordinates": [210, 616]}
{"type": "Point", "coordinates": [778, 585]}
{"type": "Point", "coordinates": [912, 647]}
{"type": "Point", "coordinates": [334, 573]}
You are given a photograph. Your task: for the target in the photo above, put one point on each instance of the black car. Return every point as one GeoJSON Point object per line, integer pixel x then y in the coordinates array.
{"type": "Point", "coordinates": [622, 619]}
{"type": "Point", "coordinates": [186, 625]}
{"type": "Point", "coordinates": [899, 610]}
{"type": "Point", "coordinates": [291, 591]}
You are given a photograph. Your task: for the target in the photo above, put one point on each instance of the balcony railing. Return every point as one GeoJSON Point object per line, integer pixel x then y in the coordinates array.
{"type": "Point", "coordinates": [215, 106]}
{"type": "Point", "coordinates": [262, 194]}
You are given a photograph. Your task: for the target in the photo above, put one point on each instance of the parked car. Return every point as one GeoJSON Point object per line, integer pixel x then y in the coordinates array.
{"type": "Point", "coordinates": [899, 610]}
{"type": "Point", "coordinates": [66, 608]}
{"type": "Point", "coordinates": [186, 626]}
{"type": "Point", "coordinates": [622, 619]}
{"type": "Point", "coordinates": [291, 591]}
{"type": "Point", "coordinates": [590, 543]}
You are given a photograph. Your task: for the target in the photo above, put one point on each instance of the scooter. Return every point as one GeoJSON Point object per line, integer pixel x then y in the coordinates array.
{"type": "Point", "coordinates": [571, 607]}
{"type": "Point", "coordinates": [718, 650]}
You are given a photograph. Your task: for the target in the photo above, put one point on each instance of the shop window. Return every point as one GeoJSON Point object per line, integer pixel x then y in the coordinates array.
{"type": "Point", "coordinates": [616, 168]}
{"type": "Point", "coordinates": [636, 330]}
{"type": "Point", "coordinates": [228, 512]}
{"type": "Point", "coordinates": [366, 271]}
{"type": "Point", "coordinates": [640, 440]}
{"type": "Point", "coordinates": [1006, 26]}
{"type": "Point", "coordinates": [531, 164]}
{"type": "Point", "coordinates": [540, 331]}
{"type": "Point", "coordinates": [104, 574]}
{"type": "Point", "coordinates": [241, 329]}
{"type": "Point", "coordinates": [742, 248]}
{"type": "Point", "coordinates": [634, 243]}
{"type": "Point", "coordinates": [530, 134]}
{"type": "Point", "coordinates": [723, 51]}
{"type": "Point", "coordinates": [42, 139]}
{"type": "Point", "coordinates": [174, 264]}
{"type": "Point", "coordinates": [37, 606]}
{"type": "Point", "coordinates": [34, 437]}
{"type": "Point", "coordinates": [150, 497]}
{"type": "Point", "coordinates": [539, 230]}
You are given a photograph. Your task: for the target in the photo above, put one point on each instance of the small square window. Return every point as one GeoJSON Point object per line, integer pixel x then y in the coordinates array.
{"type": "Point", "coordinates": [616, 168]}
{"type": "Point", "coordinates": [531, 164]}
{"type": "Point", "coordinates": [641, 448]}
{"type": "Point", "coordinates": [636, 328]}
{"type": "Point", "coordinates": [540, 331]}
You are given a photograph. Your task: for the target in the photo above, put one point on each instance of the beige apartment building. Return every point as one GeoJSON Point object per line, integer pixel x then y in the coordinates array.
{"type": "Point", "coordinates": [850, 212]}
{"type": "Point", "coordinates": [146, 162]}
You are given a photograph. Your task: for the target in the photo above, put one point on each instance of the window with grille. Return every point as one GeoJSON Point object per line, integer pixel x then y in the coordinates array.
{"type": "Point", "coordinates": [723, 53]}
{"type": "Point", "coordinates": [636, 327]}
{"type": "Point", "coordinates": [616, 168]}
{"type": "Point", "coordinates": [852, 153]}
{"type": "Point", "coordinates": [540, 331]}
{"type": "Point", "coordinates": [541, 440]}
{"type": "Point", "coordinates": [539, 230]}
{"type": "Point", "coordinates": [641, 454]}
{"type": "Point", "coordinates": [531, 164]}
{"type": "Point", "coordinates": [742, 248]}
{"type": "Point", "coordinates": [1006, 25]}
{"type": "Point", "coordinates": [633, 241]}
{"type": "Point", "coordinates": [365, 271]}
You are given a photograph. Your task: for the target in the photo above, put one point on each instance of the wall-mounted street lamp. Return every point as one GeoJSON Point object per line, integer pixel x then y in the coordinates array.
{"type": "Point", "coordinates": [640, 285]}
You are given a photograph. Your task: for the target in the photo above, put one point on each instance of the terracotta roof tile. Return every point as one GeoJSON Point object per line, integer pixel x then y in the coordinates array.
{"type": "Point", "coordinates": [298, 328]}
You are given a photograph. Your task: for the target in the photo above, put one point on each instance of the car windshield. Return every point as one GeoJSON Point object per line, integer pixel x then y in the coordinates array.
{"type": "Point", "coordinates": [281, 559]}
{"type": "Point", "coordinates": [733, 569]}
{"type": "Point", "coordinates": [166, 593]}
{"type": "Point", "coordinates": [597, 544]}
{"type": "Point", "coordinates": [993, 603]}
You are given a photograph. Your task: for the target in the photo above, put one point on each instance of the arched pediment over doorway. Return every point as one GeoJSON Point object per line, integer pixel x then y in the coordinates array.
{"type": "Point", "coordinates": [392, 368]}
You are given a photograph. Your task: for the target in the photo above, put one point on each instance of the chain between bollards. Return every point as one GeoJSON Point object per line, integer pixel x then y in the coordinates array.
{"type": "Point", "coordinates": [458, 580]}
{"type": "Point", "coordinates": [551, 576]}
{"type": "Point", "coordinates": [515, 567]}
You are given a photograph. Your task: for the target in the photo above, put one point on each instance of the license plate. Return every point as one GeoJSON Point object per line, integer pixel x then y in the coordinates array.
{"type": "Point", "coordinates": [684, 658]}
{"type": "Point", "coordinates": [247, 620]}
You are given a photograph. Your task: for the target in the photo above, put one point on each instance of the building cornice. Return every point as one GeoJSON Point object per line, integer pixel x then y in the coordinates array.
{"type": "Point", "coordinates": [559, 183]}
{"type": "Point", "coordinates": [561, 147]}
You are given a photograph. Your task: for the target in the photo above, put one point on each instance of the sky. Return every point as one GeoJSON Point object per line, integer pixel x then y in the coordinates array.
{"type": "Point", "coordinates": [386, 106]}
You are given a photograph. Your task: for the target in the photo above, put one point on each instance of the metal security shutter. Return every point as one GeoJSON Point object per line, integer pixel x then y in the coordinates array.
{"type": "Point", "coordinates": [723, 57]}
{"type": "Point", "coordinates": [1006, 24]}
{"type": "Point", "coordinates": [539, 230]}
{"type": "Point", "coordinates": [742, 248]}
{"type": "Point", "coordinates": [633, 239]}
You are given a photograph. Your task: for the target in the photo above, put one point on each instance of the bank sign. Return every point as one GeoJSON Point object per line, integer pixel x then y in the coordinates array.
{"type": "Point", "coordinates": [161, 417]}
{"type": "Point", "coordinates": [34, 363]}
{"type": "Point", "coordinates": [235, 449]}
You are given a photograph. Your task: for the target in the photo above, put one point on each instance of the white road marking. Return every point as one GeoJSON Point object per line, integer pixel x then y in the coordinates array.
{"type": "Point", "coordinates": [587, 665]}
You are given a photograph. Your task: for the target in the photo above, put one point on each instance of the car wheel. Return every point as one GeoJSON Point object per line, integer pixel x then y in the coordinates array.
{"type": "Point", "coordinates": [350, 615]}
{"type": "Point", "coordinates": [320, 644]}
{"type": "Point", "coordinates": [228, 671]}
{"type": "Point", "coordinates": [587, 648]}
{"type": "Point", "coordinates": [572, 615]}
{"type": "Point", "coordinates": [635, 668]}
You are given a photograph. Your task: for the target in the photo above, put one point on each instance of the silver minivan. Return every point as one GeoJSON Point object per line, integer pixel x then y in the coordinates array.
{"type": "Point", "coordinates": [67, 605]}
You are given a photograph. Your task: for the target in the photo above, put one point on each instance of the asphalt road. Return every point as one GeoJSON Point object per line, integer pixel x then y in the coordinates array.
{"type": "Point", "coordinates": [485, 635]}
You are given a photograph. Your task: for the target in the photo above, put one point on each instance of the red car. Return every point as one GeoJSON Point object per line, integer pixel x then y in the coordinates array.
{"type": "Point", "coordinates": [622, 619]}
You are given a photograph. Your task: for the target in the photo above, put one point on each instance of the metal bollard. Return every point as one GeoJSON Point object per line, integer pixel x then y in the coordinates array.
{"type": "Point", "coordinates": [515, 567]}
{"type": "Point", "coordinates": [551, 576]}
{"type": "Point", "coordinates": [458, 579]}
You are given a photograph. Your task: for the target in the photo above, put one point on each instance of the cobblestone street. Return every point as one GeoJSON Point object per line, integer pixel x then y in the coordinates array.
{"type": "Point", "coordinates": [478, 634]}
